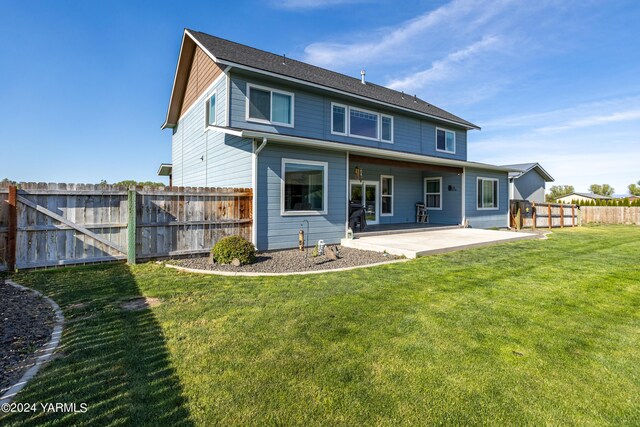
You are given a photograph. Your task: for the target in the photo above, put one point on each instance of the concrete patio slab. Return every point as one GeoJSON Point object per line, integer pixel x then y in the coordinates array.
{"type": "Point", "coordinates": [423, 243]}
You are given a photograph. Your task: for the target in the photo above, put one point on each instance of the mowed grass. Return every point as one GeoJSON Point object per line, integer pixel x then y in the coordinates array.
{"type": "Point", "coordinates": [528, 333]}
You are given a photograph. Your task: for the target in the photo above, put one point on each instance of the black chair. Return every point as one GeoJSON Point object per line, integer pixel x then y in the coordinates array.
{"type": "Point", "coordinates": [357, 216]}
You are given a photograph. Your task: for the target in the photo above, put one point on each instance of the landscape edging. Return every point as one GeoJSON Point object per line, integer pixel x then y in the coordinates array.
{"type": "Point", "coordinates": [47, 350]}
{"type": "Point", "coordinates": [257, 274]}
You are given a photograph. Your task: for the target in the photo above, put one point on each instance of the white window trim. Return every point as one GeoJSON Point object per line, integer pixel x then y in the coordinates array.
{"type": "Point", "coordinates": [206, 108]}
{"type": "Point", "coordinates": [347, 127]}
{"type": "Point", "coordinates": [346, 119]}
{"type": "Point", "coordinates": [497, 195]}
{"type": "Point", "coordinates": [389, 141]}
{"type": "Point", "coordinates": [432, 178]}
{"type": "Point", "coordinates": [271, 91]}
{"type": "Point", "coordinates": [392, 195]}
{"type": "Point", "coordinates": [368, 112]}
{"type": "Point", "coordinates": [325, 198]}
{"type": "Point", "coordinates": [445, 143]}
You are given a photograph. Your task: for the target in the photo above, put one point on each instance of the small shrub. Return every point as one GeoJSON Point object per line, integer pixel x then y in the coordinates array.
{"type": "Point", "coordinates": [230, 247]}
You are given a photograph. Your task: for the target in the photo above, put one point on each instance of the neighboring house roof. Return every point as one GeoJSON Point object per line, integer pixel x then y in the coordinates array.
{"type": "Point", "coordinates": [587, 195]}
{"type": "Point", "coordinates": [165, 169]}
{"type": "Point", "coordinates": [234, 54]}
{"type": "Point", "coordinates": [526, 167]}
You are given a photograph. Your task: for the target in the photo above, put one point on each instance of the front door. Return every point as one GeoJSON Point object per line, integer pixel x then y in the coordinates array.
{"type": "Point", "coordinates": [366, 192]}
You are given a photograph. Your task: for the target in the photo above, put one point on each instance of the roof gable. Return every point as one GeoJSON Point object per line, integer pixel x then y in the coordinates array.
{"type": "Point", "coordinates": [231, 53]}
{"type": "Point", "coordinates": [523, 168]}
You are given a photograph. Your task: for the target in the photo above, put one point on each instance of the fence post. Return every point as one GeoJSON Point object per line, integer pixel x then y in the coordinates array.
{"type": "Point", "coordinates": [131, 227]}
{"type": "Point", "coordinates": [13, 227]}
{"type": "Point", "coordinates": [561, 216]}
{"type": "Point", "coordinates": [533, 215]}
{"type": "Point", "coordinates": [573, 215]}
{"type": "Point", "coordinates": [549, 206]}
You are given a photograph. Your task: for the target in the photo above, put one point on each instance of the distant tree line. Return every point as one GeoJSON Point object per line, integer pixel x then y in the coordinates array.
{"type": "Point", "coordinates": [607, 202]}
{"type": "Point", "coordinates": [557, 191]}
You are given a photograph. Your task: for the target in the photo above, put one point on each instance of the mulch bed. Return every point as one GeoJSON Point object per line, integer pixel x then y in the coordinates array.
{"type": "Point", "coordinates": [26, 324]}
{"type": "Point", "coordinates": [291, 261]}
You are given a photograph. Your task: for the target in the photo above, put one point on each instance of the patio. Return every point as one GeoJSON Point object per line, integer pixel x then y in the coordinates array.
{"type": "Point", "coordinates": [433, 241]}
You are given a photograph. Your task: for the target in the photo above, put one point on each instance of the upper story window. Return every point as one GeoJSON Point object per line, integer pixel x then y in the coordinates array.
{"type": "Point", "coordinates": [361, 123]}
{"type": "Point", "coordinates": [387, 128]}
{"type": "Point", "coordinates": [487, 193]}
{"type": "Point", "coordinates": [339, 119]}
{"type": "Point", "coordinates": [210, 111]}
{"type": "Point", "coordinates": [271, 106]}
{"type": "Point", "coordinates": [445, 140]}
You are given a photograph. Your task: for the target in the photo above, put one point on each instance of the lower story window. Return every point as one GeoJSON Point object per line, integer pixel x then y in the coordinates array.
{"type": "Point", "coordinates": [304, 187]}
{"type": "Point", "coordinates": [386, 195]}
{"type": "Point", "coordinates": [487, 193]}
{"type": "Point", "coordinates": [433, 193]}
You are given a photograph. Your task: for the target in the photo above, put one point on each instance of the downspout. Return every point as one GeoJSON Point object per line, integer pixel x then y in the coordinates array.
{"type": "Point", "coordinates": [254, 186]}
{"type": "Point", "coordinates": [464, 198]}
{"type": "Point", "coordinates": [348, 196]}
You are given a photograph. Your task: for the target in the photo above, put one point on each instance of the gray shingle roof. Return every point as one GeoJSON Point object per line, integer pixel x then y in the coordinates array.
{"type": "Point", "coordinates": [526, 167]}
{"type": "Point", "coordinates": [589, 195]}
{"type": "Point", "coordinates": [248, 56]}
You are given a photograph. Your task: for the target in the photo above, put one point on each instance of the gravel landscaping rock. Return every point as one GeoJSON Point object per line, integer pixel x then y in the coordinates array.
{"type": "Point", "coordinates": [26, 323]}
{"type": "Point", "coordinates": [291, 261]}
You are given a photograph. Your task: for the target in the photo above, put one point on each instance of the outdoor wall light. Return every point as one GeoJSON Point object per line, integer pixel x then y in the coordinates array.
{"type": "Point", "coordinates": [358, 173]}
{"type": "Point", "coordinates": [452, 188]}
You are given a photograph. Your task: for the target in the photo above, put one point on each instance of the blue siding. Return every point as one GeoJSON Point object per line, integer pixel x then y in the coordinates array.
{"type": "Point", "coordinates": [486, 218]}
{"type": "Point", "coordinates": [312, 119]}
{"type": "Point", "coordinates": [276, 231]}
{"type": "Point", "coordinates": [209, 158]}
{"type": "Point", "coordinates": [409, 190]}
{"type": "Point", "coordinates": [407, 187]}
{"type": "Point", "coordinates": [529, 186]}
{"type": "Point", "coordinates": [451, 212]}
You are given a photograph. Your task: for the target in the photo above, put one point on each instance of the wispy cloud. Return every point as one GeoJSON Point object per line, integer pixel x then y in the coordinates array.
{"type": "Point", "coordinates": [312, 4]}
{"type": "Point", "coordinates": [407, 37]}
{"type": "Point", "coordinates": [584, 115]}
{"type": "Point", "coordinates": [596, 120]}
{"type": "Point", "coordinates": [447, 67]}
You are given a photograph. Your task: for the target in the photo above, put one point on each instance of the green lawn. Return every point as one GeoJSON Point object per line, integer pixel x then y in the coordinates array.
{"type": "Point", "coordinates": [527, 333]}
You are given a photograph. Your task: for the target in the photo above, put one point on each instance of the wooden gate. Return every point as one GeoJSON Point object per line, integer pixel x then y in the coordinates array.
{"type": "Point", "coordinates": [44, 225]}
{"type": "Point", "coordinates": [524, 214]}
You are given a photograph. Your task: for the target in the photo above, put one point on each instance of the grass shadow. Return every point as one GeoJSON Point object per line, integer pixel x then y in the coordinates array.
{"type": "Point", "coordinates": [112, 359]}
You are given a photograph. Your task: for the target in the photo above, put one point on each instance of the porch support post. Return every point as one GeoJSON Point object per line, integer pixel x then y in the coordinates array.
{"type": "Point", "coordinates": [464, 197]}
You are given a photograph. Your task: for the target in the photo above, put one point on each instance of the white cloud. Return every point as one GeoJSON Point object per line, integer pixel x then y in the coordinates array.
{"type": "Point", "coordinates": [406, 38]}
{"type": "Point", "coordinates": [597, 113]}
{"type": "Point", "coordinates": [597, 120]}
{"type": "Point", "coordinates": [445, 68]}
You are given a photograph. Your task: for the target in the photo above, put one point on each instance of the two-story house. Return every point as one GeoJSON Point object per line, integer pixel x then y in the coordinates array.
{"type": "Point", "coordinates": [308, 140]}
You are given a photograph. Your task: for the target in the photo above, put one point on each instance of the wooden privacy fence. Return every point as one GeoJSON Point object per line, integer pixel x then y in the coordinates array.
{"type": "Point", "coordinates": [543, 215]}
{"type": "Point", "coordinates": [611, 214]}
{"type": "Point", "coordinates": [44, 225]}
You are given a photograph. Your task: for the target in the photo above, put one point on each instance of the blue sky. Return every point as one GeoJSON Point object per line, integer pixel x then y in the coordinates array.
{"type": "Point", "coordinates": [85, 85]}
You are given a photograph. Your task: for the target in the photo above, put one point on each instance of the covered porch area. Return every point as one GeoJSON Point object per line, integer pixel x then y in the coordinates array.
{"type": "Point", "coordinates": [385, 193]}
{"type": "Point", "coordinates": [401, 228]}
